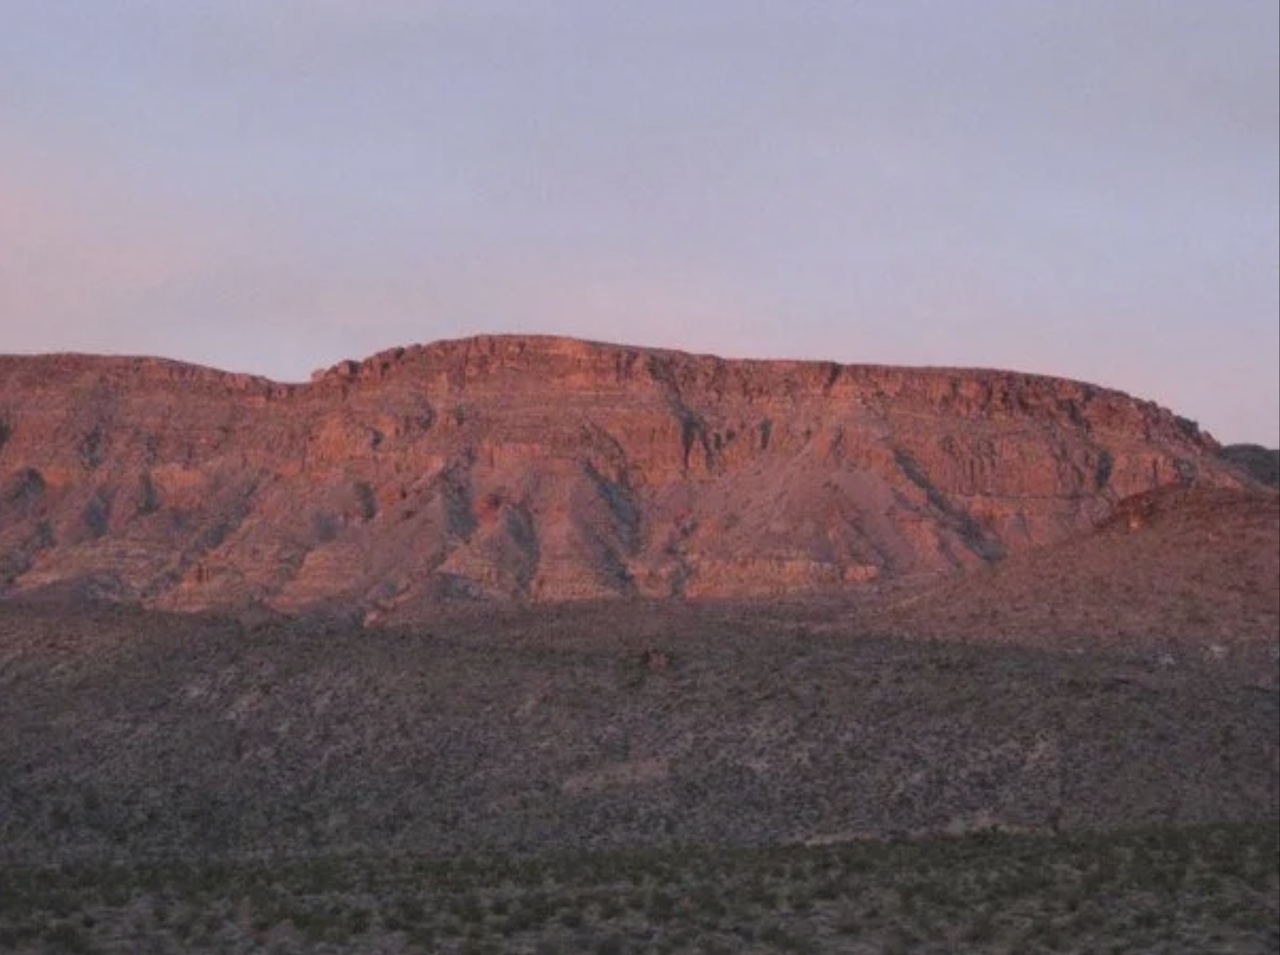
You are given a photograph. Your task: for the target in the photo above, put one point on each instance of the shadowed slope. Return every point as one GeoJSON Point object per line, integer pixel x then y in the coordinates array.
{"type": "Point", "coordinates": [1261, 464]}
{"type": "Point", "coordinates": [594, 724]}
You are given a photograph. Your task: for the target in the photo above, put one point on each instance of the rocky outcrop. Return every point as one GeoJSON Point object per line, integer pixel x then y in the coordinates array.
{"type": "Point", "coordinates": [550, 469]}
{"type": "Point", "coordinates": [1195, 566]}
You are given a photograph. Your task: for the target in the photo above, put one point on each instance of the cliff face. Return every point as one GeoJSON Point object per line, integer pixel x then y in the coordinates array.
{"type": "Point", "coordinates": [550, 469]}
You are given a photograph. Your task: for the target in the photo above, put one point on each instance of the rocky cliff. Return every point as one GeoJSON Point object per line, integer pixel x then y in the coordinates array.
{"type": "Point", "coordinates": [550, 469]}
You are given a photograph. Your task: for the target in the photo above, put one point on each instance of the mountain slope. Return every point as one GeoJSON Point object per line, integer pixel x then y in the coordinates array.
{"type": "Point", "coordinates": [549, 469]}
{"type": "Point", "coordinates": [1176, 564]}
{"type": "Point", "coordinates": [499, 727]}
{"type": "Point", "coordinates": [1261, 464]}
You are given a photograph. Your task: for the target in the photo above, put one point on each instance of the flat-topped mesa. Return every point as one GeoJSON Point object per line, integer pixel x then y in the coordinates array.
{"type": "Point", "coordinates": [550, 468]}
{"type": "Point", "coordinates": [72, 370]}
{"type": "Point", "coordinates": [572, 365]}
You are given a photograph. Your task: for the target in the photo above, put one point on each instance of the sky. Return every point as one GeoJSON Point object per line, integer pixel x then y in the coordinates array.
{"type": "Point", "coordinates": [1086, 188]}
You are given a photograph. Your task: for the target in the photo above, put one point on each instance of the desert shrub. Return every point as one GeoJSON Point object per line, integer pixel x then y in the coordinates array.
{"type": "Point", "coordinates": [65, 937]}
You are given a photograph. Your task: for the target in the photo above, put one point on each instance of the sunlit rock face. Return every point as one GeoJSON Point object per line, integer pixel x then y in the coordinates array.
{"type": "Point", "coordinates": [550, 469]}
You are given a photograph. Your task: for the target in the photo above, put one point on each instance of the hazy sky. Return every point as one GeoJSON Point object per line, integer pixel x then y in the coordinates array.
{"type": "Point", "coordinates": [1078, 187]}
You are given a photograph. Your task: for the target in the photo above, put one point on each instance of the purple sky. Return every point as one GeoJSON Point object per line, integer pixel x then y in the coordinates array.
{"type": "Point", "coordinates": [1081, 188]}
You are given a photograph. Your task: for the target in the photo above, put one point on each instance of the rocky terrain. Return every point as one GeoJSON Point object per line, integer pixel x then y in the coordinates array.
{"type": "Point", "coordinates": [532, 729]}
{"type": "Point", "coordinates": [550, 469]}
{"type": "Point", "coordinates": [1126, 675]}
{"type": "Point", "coordinates": [535, 645]}
{"type": "Point", "coordinates": [1263, 464]}
{"type": "Point", "coordinates": [629, 776]}
{"type": "Point", "coordinates": [1195, 567]}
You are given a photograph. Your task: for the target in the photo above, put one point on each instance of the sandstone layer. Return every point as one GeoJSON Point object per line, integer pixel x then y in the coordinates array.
{"type": "Point", "coordinates": [550, 469]}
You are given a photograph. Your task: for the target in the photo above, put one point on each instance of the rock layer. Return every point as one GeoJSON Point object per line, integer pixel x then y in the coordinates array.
{"type": "Point", "coordinates": [549, 469]}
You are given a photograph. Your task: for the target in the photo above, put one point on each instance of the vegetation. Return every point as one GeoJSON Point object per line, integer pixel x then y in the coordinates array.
{"type": "Point", "coordinates": [1186, 889]}
{"type": "Point", "coordinates": [700, 779]}
{"type": "Point", "coordinates": [575, 729]}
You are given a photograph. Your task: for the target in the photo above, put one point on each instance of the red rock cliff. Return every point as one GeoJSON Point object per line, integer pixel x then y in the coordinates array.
{"type": "Point", "coordinates": [549, 468]}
